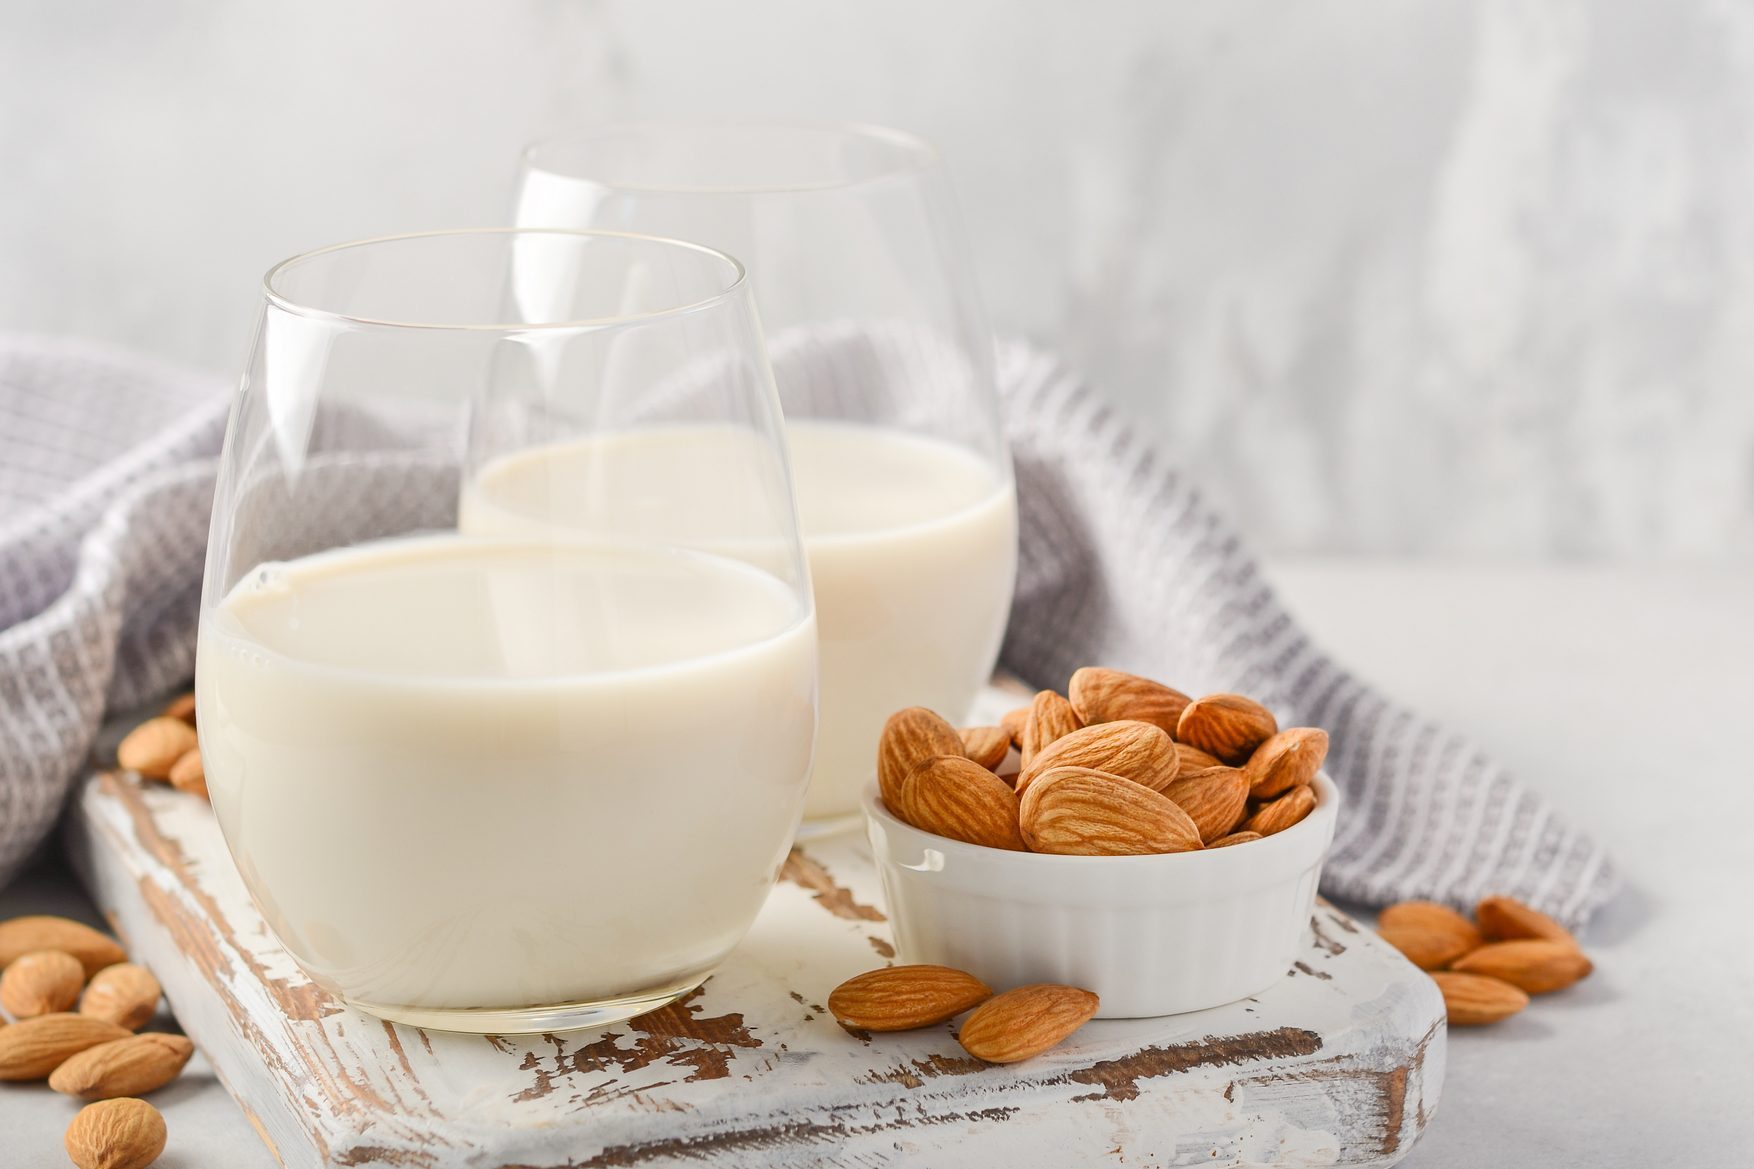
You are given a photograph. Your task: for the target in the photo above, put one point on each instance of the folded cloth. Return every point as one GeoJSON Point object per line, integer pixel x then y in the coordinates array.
{"type": "Point", "coordinates": [106, 481]}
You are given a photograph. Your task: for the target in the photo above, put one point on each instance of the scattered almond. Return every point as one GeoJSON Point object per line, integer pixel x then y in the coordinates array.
{"type": "Point", "coordinates": [1226, 725]}
{"type": "Point", "coordinates": [154, 746]}
{"type": "Point", "coordinates": [1458, 933]}
{"type": "Point", "coordinates": [181, 707]}
{"type": "Point", "coordinates": [1535, 965]}
{"type": "Point", "coordinates": [987, 746]}
{"type": "Point", "coordinates": [116, 1134]}
{"type": "Point", "coordinates": [956, 797]}
{"type": "Point", "coordinates": [1026, 1021]}
{"type": "Point", "coordinates": [910, 737]}
{"type": "Point", "coordinates": [22, 935]}
{"type": "Point", "coordinates": [43, 982]}
{"type": "Point", "coordinates": [124, 994]}
{"type": "Point", "coordinates": [1082, 812]}
{"type": "Point", "coordinates": [1473, 1000]}
{"type": "Point", "coordinates": [1101, 696]}
{"type": "Point", "coordinates": [1290, 757]}
{"type": "Point", "coordinates": [1214, 798]}
{"type": "Point", "coordinates": [902, 998]}
{"type": "Point", "coordinates": [1135, 750]}
{"type": "Point", "coordinates": [1280, 814]}
{"type": "Point", "coordinates": [187, 774]}
{"type": "Point", "coordinates": [123, 1067]}
{"type": "Point", "coordinates": [1051, 717]}
{"type": "Point", "coordinates": [31, 1049]}
{"type": "Point", "coordinates": [1507, 919]}
{"type": "Point", "coordinates": [1425, 948]}
{"type": "Point", "coordinates": [1235, 838]}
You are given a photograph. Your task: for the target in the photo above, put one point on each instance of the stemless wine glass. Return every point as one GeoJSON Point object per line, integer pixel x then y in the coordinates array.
{"type": "Point", "coordinates": [884, 366]}
{"type": "Point", "coordinates": [489, 778]}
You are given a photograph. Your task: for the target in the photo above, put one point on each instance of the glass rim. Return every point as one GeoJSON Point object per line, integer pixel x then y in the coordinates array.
{"type": "Point", "coordinates": [919, 154]}
{"type": "Point", "coordinates": [737, 285]}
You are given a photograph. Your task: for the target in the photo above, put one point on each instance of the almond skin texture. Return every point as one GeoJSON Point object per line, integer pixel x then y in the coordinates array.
{"type": "Point", "coordinates": [1535, 965]}
{"type": "Point", "coordinates": [41, 983]}
{"type": "Point", "coordinates": [1079, 812]}
{"type": "Point", "coordinates": [1104, 696]}
{"type": "Point", "coordinates": [1194, 759]}
{"type": "Point", "coordinates": [1013, 723]}
{"type": "Point", "coordinates": [1128, 748]}
{"type": "Point", "coordinates": [957, 797]}
{"type": "Point", "coordinates": [1291, 757]}
{"type": "Point", "coordinates": [1051, 717]}
{"type": "Point", "coordinates": [21, 935]}
{"type": "Point", "coordinates": [188, 775]}
{"type": "Point", "coordinates": [123, 994]}
{"type": "Point", "coordinates": [1473, 1000]}
{"type": "Point", "coordinates": [1426, 949]}
{"type": "Point", "coordinates": [910, 737]}
{"type": "Point", "coordinates": [1215, 799]}
{"type": "Point", "coordinates": [1235, 838]}
{"type": "Point", "coordinates": [1026, 1021]}
{"type": "Point", "coordinates": [1455, 934]}
{"type": "Point", "coordinates": [902, 998]}
{"type": "Point", "coordinates": [181, 708]}
{"type": "Point", "coordinates": [1506, 919]}
{"type": "Point", "coordinates": [987, 746]}
{"type": "Point", "coordinates": [1226, 725]}
{"type": "Point", "coordinates": [32, 1049]}
{"type": "Point", "coordinates": [116, 1134]}
{"type": "Point", "coordinates": [155, 745]}
{"type": "Point", "coordinates": [123, 1067]}
{"type": "Point", "coordinates": [1283, 812]}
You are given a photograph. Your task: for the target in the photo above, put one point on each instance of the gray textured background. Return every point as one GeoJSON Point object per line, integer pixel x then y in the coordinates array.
{"type": "Point", "coordinates": [1456, 276]}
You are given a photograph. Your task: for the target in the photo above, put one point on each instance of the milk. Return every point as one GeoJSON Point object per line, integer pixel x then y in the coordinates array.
{"type": "Point", "coordinates": [465, 774]}
{"type": "Point", "coordinates": [912, 544]}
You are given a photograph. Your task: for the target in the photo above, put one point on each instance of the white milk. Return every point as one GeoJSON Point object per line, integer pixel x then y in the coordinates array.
{"type": "Point", "coordinates": [912, 545]}
{"type": "Point", "coordinates": [464, 773]}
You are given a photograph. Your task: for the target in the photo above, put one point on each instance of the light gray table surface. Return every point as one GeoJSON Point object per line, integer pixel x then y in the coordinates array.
{"type": "Point", "coordinates": [1625, 693]}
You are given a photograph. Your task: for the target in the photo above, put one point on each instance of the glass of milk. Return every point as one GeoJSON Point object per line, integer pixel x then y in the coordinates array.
{"type": "Point", "coordinates": [490, 776]}
{"type": "Point", "coordinates": [884, 366]}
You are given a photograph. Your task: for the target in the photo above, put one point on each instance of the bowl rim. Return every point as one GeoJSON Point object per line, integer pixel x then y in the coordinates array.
{"type": "Point", "coordinates": [1321, 819]}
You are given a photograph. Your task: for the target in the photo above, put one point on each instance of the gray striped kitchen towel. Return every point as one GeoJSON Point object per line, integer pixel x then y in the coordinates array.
{"type": "Point", "coordinates": [105, 487]}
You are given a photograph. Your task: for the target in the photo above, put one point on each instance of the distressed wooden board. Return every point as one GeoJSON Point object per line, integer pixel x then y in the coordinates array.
{"type": "Point", "coordinates": [1338, 1065]}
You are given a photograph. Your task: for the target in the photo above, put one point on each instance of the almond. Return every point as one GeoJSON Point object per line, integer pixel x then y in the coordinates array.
{"type": "Point", "coordinates": [1473, 1000]}
{"type": "Point", "coordinates": [1234, 838]}
{"type": "Point", "coordinates": [1536, 965]}
{"type": "Point", "coordinates": [1280, 814]}
{"type": "Point", "coordinates": [987, 746]}
{"type": "Point", "coordinates": [187, 774]}
{"type": "Point", "coordinates": [123, 1067]}
{"type": "Point", "coordinates": [182, 707]}
{"type": "Point", "coordinates": [43, 982]}
{"type": "Point", "coordinates": [1013, 723]}
{"type": "Point", "coordinates": [1128, 748]}
{"type": "Point", "coordinates": [123, 994]}
{"type": "Point", "coordinates": [1214, 798]}
{"type": "Point", "coordinates": [1081, 812]}
{"type": "Point", "coordinates": [1507, 919]}
{"type": "Point", "coordinates": [1026, 1021]}
{"type": "Point", "coordinates": [1105, 696]}
{"type": "Point", "coordinates": [902, 998]}
{"type": "Point", "coordinates": [1194, 759]}
{"type": "Point", "coordinates": [1050, 717]}
{"type": "Point", "coordinates": [910, 737]}
{"type": "Point", "coordinates": [957, 797]}
{"type": "Point", "coordinates": [32, 1049]}
{"type": "Point", "coordinates": [1455, 934]}
{"type": "Point", "coordinates": [1291, 757]}
{"type": "Point", "coordinates": [155, 745]}
{"type": "Point", "coordinates": [1226, 725]}
{"type": "Point", "coordinates": [116, 1134]}
{"type": "Point", "coordinates": [1426, 949]}
{"type": "Point", "coordinates": [21, 935]}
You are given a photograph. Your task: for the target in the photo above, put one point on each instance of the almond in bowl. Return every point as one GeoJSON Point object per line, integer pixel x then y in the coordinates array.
{"type": "Point", "coordinates": [1107, 853]}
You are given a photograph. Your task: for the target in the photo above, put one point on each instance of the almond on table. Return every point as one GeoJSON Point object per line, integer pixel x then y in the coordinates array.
{"type": "Point", "coordinates": [1535, 965]}
{"type": "Point", "coordinates": [1473, 1000]}
{"type": "Point", "coordinates": [1506, 919]}
{"type": "Point", "coordinates": [42, 982]}
{"type": "Point", "coordinates": [124, 994]}
{"type": "Point", "coordinates": [1026, 1021]}
{"type": "Point", "coordinates": [123, 1067]}
{"type": "Point", "coordinates": [154, 746]}
{"type": "Point", "coordinates": [21, 935]}
{"type": "Point", "coordinates": [904, 998]}
{"type": "Point", "coordinates": [116, 1134]}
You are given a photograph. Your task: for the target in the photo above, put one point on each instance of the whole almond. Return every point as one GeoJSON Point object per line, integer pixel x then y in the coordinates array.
{"type": "Point", "coordinates": [30, 1050]}
{"type": "Point", "coordinates": [22, 935]}
{"type": "Point", "coordinates": [1280, 814]}
{"type": "Point", "coordinates": [188, 775]}
{"type": "Point", "coordinates": [1051, 717]}
{"type": "Point", "coordinates": [123, 1067]}
{"type": "Point", "coordinates": [182, 707]}
{"type": "Point", "coordinates": [1103, 696]}
{"type": "Point", "coordinates": [1214, 798]}
{"type": "Point", "coordinates": [1128, 748]}
{"type": "Point", "coordinates": [123, 994]}
{"type": "Point", "coordinates": [41, 983]}
{"type": "Point", "coordinates": [1536, 965]}
{"type": "Point", "coordinates": [1455, 934]}
{"type": "Point", "coordinates": [1080, 812]}
{"type": "Point", "coordinates": [1506, 919]}
{"type": "Point", "coordinates": [155, 745]}
{"type": "Point", "coordinates": [1026, 1021]}
{"type": "Point", "coordinates": [1426, 949]}
{"type": "Point", "coordinates": [1013, 723]}
{"type": "Point", "coordinates": [957, 797]}
{"type": "Point", "coordinates": [1290, 757]}
{"type": "Point", "coordinates": [987, 746]}
{"type": "Point", "coordinates": [116, 1134]}
{"type": "Point", "coordinates": [1226, 725]}
{"type": "Point", "coordinates": [910, 737]}
{"type": "Point", "coordinates": [1235, 838]}
{"type": "Point", "coordinates": [901, 998]}
{"type": "Point", "coordinates": [1473, 1000]}
{"type": "Point", "coordinates": [1192, 758]}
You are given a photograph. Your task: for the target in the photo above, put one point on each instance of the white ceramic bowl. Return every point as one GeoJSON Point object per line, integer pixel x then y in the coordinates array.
{"type": "Point", "coordinates": [1151, 935]}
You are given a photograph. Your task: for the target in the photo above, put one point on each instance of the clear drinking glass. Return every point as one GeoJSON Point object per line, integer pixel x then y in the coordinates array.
{"type": "Point", "coordinates": [480, 775]}
{"type": "Point", "coordinates": [884, 366]}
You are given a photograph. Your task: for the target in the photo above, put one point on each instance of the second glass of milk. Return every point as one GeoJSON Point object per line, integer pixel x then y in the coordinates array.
{"type": "Point", "coordinates": [493, 777]}
{"type": "Point", "coordinates": [884, 367]}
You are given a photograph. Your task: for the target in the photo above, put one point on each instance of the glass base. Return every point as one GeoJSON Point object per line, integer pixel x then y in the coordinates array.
{"type": "Point", "coordinates": [825, 826]}
{"type": "Point", "coordinates": [530, 1020]}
